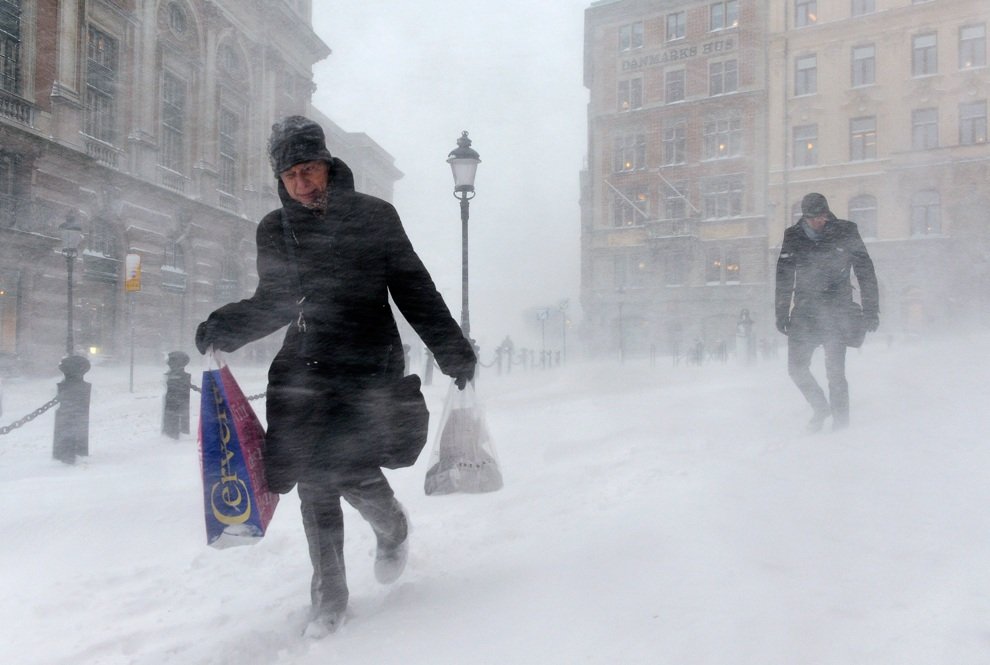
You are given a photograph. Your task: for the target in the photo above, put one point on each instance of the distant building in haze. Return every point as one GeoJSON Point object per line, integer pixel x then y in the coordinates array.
{"type": "Point", "coordinates": [708, 122]}
{"type": "Point", "coordinates": [147, 120]}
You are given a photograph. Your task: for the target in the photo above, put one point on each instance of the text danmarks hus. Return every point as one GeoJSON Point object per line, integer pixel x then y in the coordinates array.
{"type": "Point", "coordinates": [677, 54]}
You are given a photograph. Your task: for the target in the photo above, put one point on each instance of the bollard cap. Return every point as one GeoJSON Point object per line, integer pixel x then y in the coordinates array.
{"type": "Point", "coordinates": [74, 367]}
{"type": "Point", "coordinates": [177, 359]}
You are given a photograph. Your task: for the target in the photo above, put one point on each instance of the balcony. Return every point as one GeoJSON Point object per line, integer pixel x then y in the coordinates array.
{"type": "Point", "coordinates": [102, 152]}
{"type": "Point", "coordinates": [14, 108]}
{"type": "Point", "coordinates": [228, 202]}
{"type": "Point", "coordinates": [172, 179]}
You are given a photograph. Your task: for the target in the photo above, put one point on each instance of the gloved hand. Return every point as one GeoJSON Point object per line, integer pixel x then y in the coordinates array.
{"type": "Point", "coordinates": [462, 378]}
{"type": "Point", "coordinates": [872, 322]}
{"type": "Point", "coordinates": [206, 335]}
{"type": "Point", "coordinates": [783, 323]}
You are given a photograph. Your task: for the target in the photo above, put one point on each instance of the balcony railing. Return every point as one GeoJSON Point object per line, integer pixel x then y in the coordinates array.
{"type": "Point", "coordinates": [102, 152]}
{"type": "Point", "coordinates": [228, 202]}
{"type": "Point", "coordinates": [172, 179]}
{"type": "Point", "coordinates": [15, 108]}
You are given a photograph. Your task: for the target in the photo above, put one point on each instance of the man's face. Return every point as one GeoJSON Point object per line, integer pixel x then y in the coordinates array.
{"type": "Point", "coordinates": [306, 182]}
{"type": "Point", "coordinates": [818, 222]}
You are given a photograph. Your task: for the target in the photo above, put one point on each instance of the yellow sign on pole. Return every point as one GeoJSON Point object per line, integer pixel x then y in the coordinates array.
{"type": "Point", "coordinates": [132, 277]}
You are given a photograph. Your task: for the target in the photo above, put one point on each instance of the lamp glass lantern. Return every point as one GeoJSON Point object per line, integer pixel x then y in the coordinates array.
{"type": "Point", "coordinates": [72, 235]}
{"type": "Point", "coordinates": [463, 162]}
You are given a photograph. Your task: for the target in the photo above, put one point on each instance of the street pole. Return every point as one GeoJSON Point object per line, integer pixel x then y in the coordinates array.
{"type": "Point", "coordinates": [70, 257]}
{"type": "Point", "coordinates": [465, 315]}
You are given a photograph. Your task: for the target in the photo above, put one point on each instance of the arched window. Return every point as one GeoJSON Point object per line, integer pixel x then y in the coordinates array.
{"type": "Point", "coordinates": [863, 211]}
{"type": "Point", "coordinates": [926, 217]}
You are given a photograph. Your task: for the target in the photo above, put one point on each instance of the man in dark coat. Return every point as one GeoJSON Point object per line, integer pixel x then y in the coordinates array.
{"type": "Point", "coordinates": [327, 261]}
{"type": "Point", "coordinates": [814, 303]}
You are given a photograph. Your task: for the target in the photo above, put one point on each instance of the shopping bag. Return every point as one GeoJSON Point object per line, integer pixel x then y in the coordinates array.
{"type": "Point", "coordinates": [238, 505]}
{"type": "Point", "coordinates": [463, 457]}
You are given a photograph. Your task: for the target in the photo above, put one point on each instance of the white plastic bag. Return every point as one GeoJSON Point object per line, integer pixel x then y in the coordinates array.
{"type": "Point", "coordinates": [463, 457]}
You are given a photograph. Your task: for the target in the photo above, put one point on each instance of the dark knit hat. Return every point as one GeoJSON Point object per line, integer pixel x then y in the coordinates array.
{"type": "Point", "coordinates": [294, 140]}
{"type": "Point", "coordinates": [813, 205]}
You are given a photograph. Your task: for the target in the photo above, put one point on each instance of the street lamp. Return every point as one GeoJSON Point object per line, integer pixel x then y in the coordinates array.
{"type": "Point", "coordinates": [72, 236]}
{"type": "Point", "coordinates": [464, 162]}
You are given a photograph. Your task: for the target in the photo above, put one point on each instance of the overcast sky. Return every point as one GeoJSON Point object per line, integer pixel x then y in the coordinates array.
{"type": "Point", "coordinates": [413, 76]}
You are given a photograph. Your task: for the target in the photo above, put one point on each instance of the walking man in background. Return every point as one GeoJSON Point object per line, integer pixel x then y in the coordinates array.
{"type": "Point", "coordinates": [327, 261]}
{"type": "Point", "coordinates": [814, 303]}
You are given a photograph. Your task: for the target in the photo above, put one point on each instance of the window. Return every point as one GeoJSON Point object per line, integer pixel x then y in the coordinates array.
{"type": "Point", "coordinates": [8, 202]}
{"type": "Point", "coordinates": [722, 138]}
{"type": "Point", "coordinates": [630, 153]}
{"type": "Point", "coordinates": [864, 65]}
{"type": "Point", "coordinates": [723, 77]}
{"type": "Point", "coordinates": [863, 138]}
{"type": "Point", "coordinates": [731, 266]}
{"type": "Point", "coordinates": [805, 13]}
{"type": "Point", "coordinates": [101, 85]}
{"type": "Point", "coordinates": [860, 7]}
{"type": "Point", "coordinates": [806, 75]}
{"type": "Point", "coordinates": [631, 208]}
{"type": "Point", "coordinates": [673, 86]}
{"type": "Point", "coordinates": [675, 143]}
{"type": "Point", "coordinates": [806, 145]}
{"type": "Point", "coordinates": [177, 21]}
{"type": "Point", "coordinates": [631, 36]}
{"type": "Point", "coordinates": [973, 123]}
{"type": "Point", "coordinates": [674, 203]}
{"type": "Point", "coordinates": [102, 240]}
{"type": "Point", "coordinates": [676, 26]}
{"type": "Point", "coordinates": [229, 131]}
{"type": "Point", "coordinates": [973, 46]}
{"type": "Point", "coordinates": [722, 197]}
{"type": "Point", "coordinates": [172, 155]}
{"type": "Point", "coordinates": [10, 46]}
{"type": "Point", "coordinates": [175, 258]}
{"type": "Point", "coordinates": [722, 15]}
{"type": "Point", "coordinates": [925, 213]}
{"type": "Point", "coordinates": [713, 265]}
{"type": "Point", "coordinates": [229, 288]}
{"type": "Point", "coordinates": [630, 94]}
{"type": "Point", "coordinates": [924, 58]}
{"type": "Point", "coordinates": [924, 129]}
{"type": "Point", "coordinates": [863, 211]}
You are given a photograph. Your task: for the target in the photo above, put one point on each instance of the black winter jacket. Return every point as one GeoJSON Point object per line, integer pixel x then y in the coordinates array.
{"type": "Point", "coordinates": [815, 274]}
{"type": "Point", "coordinates": [349, 259]}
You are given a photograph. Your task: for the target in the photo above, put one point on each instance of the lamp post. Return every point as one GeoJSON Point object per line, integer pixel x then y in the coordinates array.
{"type": "Point", "coordinates": [72, 236]}
{"type": "Point", "coordinates": [464, 162]}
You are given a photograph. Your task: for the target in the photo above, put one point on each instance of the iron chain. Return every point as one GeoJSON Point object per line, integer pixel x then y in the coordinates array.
{"type": "Point", "coordinates": [250, 398]}
{"type": "Point", "coordinates": [28, 418]}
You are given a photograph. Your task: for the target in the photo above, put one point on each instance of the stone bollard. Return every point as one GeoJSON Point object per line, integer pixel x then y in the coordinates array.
{"type": "Point", "coordinates": [72, 415]}
{"type": "Point", "coordinates": [175, 408]}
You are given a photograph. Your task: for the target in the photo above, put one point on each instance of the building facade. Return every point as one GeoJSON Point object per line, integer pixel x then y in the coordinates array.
{"type": "Point", "coordinates": [146, 121]}
{"type": "Point", "coordinates": [674, 229]}
{"type": "Point", "coordinates": [709, 121]}
{"type": "Point", "coordinates": [882, 107]}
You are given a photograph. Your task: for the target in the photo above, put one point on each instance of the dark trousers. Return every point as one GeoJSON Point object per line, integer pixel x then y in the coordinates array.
{"type": "Point", "coordinates": [369, 492]}
{"type": "Point", "coordinates": [799, 352]}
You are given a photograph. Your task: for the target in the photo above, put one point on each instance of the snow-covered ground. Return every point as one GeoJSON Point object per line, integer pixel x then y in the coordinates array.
{"type": "Point", "coordinates": [650, 515]}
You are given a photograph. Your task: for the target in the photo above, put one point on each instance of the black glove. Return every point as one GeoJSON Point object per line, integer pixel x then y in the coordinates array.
{"type": "Point", "coordinates": [462, 378]}
{"type": "Point", "coordinates": [872, 322]}
{"type": "Point", "coordinates": [783, 323]}
{"type": "Point", "coordinates": [206, 335]}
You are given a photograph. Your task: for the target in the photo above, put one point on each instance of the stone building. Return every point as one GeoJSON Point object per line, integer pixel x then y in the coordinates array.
{"type": "Point", "coordinates": [146, 121]}
{"type": "Point", "coordinates": [674, 239]}
{"type": "Point", "coordinates": [709, 120]}
{"type": "Point", "coordinates": [881, 105]}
